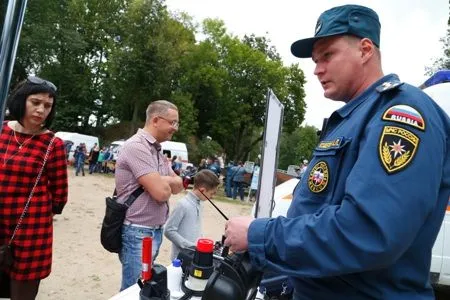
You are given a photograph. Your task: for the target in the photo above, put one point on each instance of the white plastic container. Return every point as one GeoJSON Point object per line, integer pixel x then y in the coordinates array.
{"type": "Point", "coordinates": [174, 275]}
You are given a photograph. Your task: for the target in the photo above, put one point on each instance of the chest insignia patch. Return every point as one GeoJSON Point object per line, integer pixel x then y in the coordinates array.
{"type": "Point", "coordinates": [318, 177]}
{"type": "Point", "coordinates": [396, 148]}
{"type": "Point", "coordinates": [404, 114]}
{"type": "Point", "coordinates": [334, 144]}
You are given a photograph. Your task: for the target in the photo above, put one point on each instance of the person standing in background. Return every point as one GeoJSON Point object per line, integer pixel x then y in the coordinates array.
{"type": "Point", "coordinates": [141, 164]}
{"type": "Point", "coordinates": [80, 158]}
{"type": "Point", "coordinates": [24, 142]}
{"type": "Point", "coordinates": [238, 180]}
{"type": "Point", "coordinates": [93, 158]}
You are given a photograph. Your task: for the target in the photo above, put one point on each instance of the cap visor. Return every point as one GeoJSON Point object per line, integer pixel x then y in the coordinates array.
{"type": "Point", "coordinates": [303, 48]}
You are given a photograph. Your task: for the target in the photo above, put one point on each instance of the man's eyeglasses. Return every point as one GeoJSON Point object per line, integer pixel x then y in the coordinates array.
{"type": "Point", "coordinates": [175, 124]}
{"type": "Point", "coordinates": [40, 81]}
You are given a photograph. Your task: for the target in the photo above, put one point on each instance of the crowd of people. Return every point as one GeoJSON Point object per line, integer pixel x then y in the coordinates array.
{"type": "Point", "coordinates": [98, 159]}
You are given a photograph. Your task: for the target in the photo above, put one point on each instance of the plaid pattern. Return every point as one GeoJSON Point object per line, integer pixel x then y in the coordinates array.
{"type": "Point", "coordinates": [32, 245]}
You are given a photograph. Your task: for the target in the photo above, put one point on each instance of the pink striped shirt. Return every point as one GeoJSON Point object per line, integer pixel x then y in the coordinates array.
{"type": "Point", "coordinates": [139, 156]}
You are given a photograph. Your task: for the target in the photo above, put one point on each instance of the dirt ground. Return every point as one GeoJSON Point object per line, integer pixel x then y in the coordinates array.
{"type": "Point", "coordinates": [82, 269]}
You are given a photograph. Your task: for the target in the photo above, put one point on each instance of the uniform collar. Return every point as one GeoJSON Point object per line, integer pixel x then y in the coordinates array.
{"type": "Point", "coordinates": [193, 198]}
{"type": "Point", "coordinates": [150, 138]}
{"type": "Point", "coordinates": [370, 91]}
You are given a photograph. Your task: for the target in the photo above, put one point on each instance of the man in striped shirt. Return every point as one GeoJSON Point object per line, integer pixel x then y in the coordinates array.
{"type": "Point", "coordinates": [141, 163]}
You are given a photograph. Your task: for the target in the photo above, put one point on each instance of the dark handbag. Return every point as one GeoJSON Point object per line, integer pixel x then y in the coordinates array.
{"type": "Point", "coordinates": [6, 256]}
{"type": "Point", "coordinates": [111, 232]}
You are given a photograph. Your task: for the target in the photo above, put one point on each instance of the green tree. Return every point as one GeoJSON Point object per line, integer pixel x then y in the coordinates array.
{"type": "Point", "coordinates": [228, 79]}
{"type": "Point", "coordinates": [110, 59]}
{"type": "Point", "coordinates": [146, 59]}
{"type": "Point", "coordinates": [444, 61]}
{"type": "Point", "coordinates": [296, 146]}
{"type": "Point", "coordinates": [67, 42]}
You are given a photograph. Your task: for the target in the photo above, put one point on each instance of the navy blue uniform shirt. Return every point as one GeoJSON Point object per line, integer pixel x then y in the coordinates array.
{"type": "Point", "coordinates": [366, 213]}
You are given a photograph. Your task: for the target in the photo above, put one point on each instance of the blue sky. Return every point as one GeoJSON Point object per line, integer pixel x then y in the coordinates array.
{"type": "Point", "coordinates": [410, 34]}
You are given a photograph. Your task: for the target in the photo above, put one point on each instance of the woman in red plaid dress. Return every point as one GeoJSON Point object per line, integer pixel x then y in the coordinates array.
{"type": "Point", "coordinates": [23, 144]}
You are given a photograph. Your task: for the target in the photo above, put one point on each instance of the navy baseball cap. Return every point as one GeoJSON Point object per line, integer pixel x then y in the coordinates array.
{"type": "Point", "coordinates": [355, 20]}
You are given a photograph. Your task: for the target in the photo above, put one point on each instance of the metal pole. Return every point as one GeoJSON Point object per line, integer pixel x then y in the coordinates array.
{"type": "Point", "coordinates": [8, 47]}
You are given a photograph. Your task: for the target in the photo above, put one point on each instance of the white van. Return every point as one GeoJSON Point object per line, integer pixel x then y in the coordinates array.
{"type": "Point", "coordinates": [76, 139]}
{"type": "Point", "coordinates": [115, 148]}
{"type": "Point", "coordinates": [437, 87]}
{"type": "Point", "coordinates": [170, 148]}
{"type": "Point", "coordinates": [176, 148]}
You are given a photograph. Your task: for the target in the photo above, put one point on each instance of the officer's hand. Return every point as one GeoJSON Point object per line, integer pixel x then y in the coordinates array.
{"type": "Point", "coordinates": [236, 232]}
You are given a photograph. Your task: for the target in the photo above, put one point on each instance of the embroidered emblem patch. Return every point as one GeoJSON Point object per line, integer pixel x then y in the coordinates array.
{"type": "Point", "coordinates": [318, 177]}
{"type": "Point", "coordinates": [406, 115]}
{"type": "Point", "coordinates": [397, 148]}
{"type": "Point", "coordinates": [388, 85]}
{"type": "Point", "coordinates": [318, 27]}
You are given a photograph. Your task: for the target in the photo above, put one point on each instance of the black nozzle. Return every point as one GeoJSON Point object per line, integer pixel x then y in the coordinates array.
{"type": "Point", "coordinates": [155, 289]}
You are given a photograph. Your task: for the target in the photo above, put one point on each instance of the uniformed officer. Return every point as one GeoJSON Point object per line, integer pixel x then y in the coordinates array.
{"type": "Point", "coordinates": [366, 214]}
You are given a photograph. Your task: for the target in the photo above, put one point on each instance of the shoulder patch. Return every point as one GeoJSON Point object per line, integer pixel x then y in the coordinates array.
{"type": "Point", "coordinates": [319, 177]}
{"type": "Point", "coordinates": [404, 114]}
{"type": "Point", "coordinates": [388, 85]}
{"type": "Point", "coordinates": [397, 148]}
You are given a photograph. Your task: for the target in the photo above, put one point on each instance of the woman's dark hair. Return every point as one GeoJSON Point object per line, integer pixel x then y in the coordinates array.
{"type": "Point", "coordinates": [17, 100]}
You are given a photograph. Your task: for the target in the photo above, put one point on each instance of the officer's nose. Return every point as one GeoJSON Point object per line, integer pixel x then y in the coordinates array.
{"type": "Point", "coordinates": [319, 69]}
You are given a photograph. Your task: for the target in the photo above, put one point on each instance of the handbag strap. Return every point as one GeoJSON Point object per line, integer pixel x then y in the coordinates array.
{"type": "Point", "coordinates": [134, 196]}
{"type": "Point", "coordinates": [32, 192]}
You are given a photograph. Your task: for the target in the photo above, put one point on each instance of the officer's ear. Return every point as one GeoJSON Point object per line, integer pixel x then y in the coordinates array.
{"type": "Point", "coordinates": [367, 48]}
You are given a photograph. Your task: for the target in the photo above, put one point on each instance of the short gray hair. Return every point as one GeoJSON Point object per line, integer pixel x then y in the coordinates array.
{"type": "Point", "coordinates": [159, 107]}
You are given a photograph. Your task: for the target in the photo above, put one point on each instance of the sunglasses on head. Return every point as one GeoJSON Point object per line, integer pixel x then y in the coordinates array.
{"type": "Point", "coordinates": [40, 81]}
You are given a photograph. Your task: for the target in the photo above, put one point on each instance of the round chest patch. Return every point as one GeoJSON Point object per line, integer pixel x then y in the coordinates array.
{"type": "Point", "coordinates": [318, 177]}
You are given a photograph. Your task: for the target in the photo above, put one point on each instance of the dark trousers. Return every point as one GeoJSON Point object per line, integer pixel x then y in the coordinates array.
{"type": "Point", "coordinates": [238, 186]}
{"type": "Point", "coordinates": [92, 167]}
{"type": "Point", "coordinates": [79, 167]}
{"type": "Point", "coordinates": [228, 187]}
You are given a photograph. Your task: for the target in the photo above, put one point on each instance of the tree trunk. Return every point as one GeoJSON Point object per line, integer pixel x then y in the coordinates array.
{"type": "Point", "coordinates": [134, 118]}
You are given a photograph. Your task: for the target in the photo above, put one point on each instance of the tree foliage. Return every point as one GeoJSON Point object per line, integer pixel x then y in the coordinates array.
{"type": "Point", "coordinates": [110, 59]}
{"type": "Point", "coordinates": [229, 79]}
{"type": "Point", "coordinates": [444, 61]}
{"type": "Point", "coordinates": [297, 146]}
{"type": "Point", "coordinates": [145, 60]}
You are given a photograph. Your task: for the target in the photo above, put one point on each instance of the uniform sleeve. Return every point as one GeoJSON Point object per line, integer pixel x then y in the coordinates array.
{"type": "Point", "coordinates": [377, 220]}
{"type": "Point", "coordinates": [172, 225]}
{"type": "Point", "coordinates": [57, 176]}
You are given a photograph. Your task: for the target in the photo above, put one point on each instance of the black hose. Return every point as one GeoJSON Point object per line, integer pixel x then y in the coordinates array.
{"type": "Point", "coordinates": [187, 295]}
